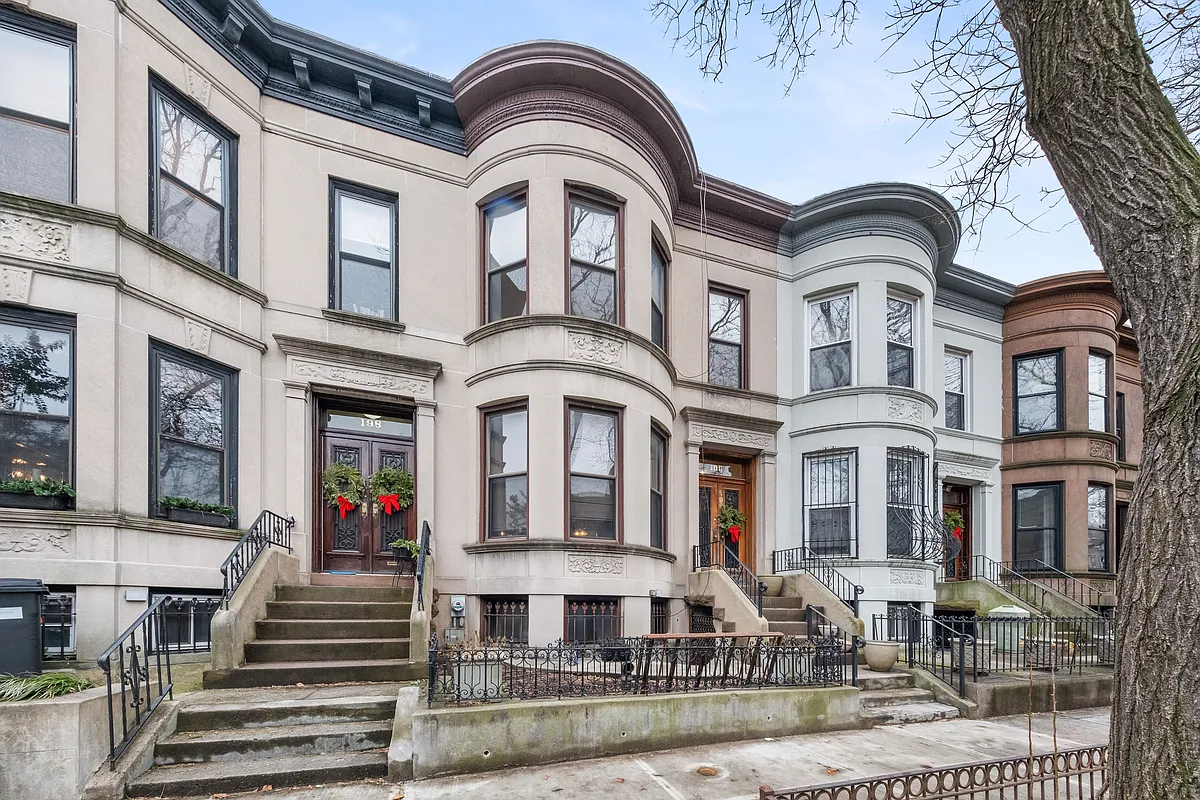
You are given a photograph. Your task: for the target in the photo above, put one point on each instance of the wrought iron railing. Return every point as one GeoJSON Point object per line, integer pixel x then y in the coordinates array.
{"type": "Point", "coordinates": [914, 532]}
{"type": "Point", "coordinates": [719, 554]}
{"type": "Point", "coordinates": [1020, 644]}
{"type": "Point", "coordinates": [419, 593]}
{"type": "Point", "coordinates": [1023, 583]}
{"type": "Point", "coordinates": [1080, 774]}
{"type": "Point", "coordinates": [269, 529]}
{"type": "Point", "coordinates": [841, 648]}
{"type": "Point", "coordinates": [143, 675]}
{"type": "Point", "coordinates": [1059, 581]}
{"type": "Point", "coordinates": [924, 642]}
{"type": "Point", "coordinates": [801, 559]}
{"type": "Point", "coordinates": [654, 664]}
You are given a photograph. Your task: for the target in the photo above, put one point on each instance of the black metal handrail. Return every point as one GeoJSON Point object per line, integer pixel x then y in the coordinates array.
{"type": "Point", "coordinates": [820, 629]}
{"type": "Point", "coordinates": [1007, 576]}
{"type": "Point", "coordinates": [925, 640]}
{"type": "Point", "coordinates": [1055, 579]}
{"type": "Point", "coordinates": [719, 554]}
{"type": "Point", "coordinates": [140, 668]}
{"type": "Point", "coordinates": [269, 529]}
{"type": "Point", "coordinates": [801, 559]}
{"type": "Point", "coordinates": [420, 574]}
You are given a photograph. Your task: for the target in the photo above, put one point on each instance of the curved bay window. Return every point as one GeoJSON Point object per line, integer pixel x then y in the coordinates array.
{"type": "Point", "coordinates": [899, 342]}
{"type": "Point", "coordinates": [1098, 528]}
{"type": "Point", "coordinates": [1037, 381]}
{"type": "Point", "coordinates": [831, 504]}
{"type": "Point", "coordinates": [507, 447]}
{"type": "Point", "coordinates": [593, 279]}
{"type": "Point", "coordinates": [592, 462]}
{"type": "Point", "coordinates": [1037, 526]}
{"type": "Point", "coordinates": [829, 343]}
{"type": "Point", "coordinates": [505, 254]}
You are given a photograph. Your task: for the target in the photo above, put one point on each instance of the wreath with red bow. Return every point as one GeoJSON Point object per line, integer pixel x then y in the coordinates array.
{"type": "Point", "coordinates": [392, 488]}
{"type": "Point", "coordinates": [731, 521]}
{"type": "Point", "coordinates": [343, 487]}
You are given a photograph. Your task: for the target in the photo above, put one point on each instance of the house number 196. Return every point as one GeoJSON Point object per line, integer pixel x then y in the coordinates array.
{"type": "Point", "coordinates": [370, 423]}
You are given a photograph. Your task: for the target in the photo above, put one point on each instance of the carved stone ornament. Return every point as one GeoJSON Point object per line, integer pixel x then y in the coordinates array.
{"type": "Point", "coordinates": [901, 409]}
{"type": "Point", "coordinates": [198, 86]}
{"type": "Point", "coordinates": [1099, 449]}
{"type": "Point", "coordinates": [948, 469]}
{"type": "Point", "coordinates": [14, 284]}
{"type": "Point", "coordinates": [581, 564]}
{"type": "Point", "coordinates": [908, 577]}
{"type": "Point", "coordinates": [34, 238]}
{"type": "Point", "coordinates": [594, 349]}
{"type": "Point", "coordinates": [198, 336]}
{"type": "Point", "coordinates": [712, 433]}
{"type": "Point", "coordinates": [14, 540]}
{"type": "Point", "coordinates": [360, 377]}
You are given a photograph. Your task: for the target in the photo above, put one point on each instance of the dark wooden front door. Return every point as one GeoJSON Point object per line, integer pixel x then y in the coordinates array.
{"type": "Point", "coordinates": [958, 498]}
{"type": "Point", "coordinates": [726, 482]}
{"type": "Point", "coordinates": [359, 541]}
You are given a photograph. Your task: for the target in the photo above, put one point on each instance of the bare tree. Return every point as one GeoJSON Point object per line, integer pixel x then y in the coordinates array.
{"type": "Point", "coordinates": [1109, 92]}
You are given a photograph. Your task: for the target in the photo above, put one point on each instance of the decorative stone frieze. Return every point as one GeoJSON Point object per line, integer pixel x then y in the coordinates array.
{"type": "Point", "coordinates": [14, 284]}
{"type": "Point", "coordinates": [34, 238]}
{"type": "Point", "coordinates": [1101, 449]}
{"type": "Point", "coordinates": [713, 433]}
{"type": "Point", "coordinates": [349, 376]}
{"type": "Point", "coordinates": [581, 564]}
{"type": "Point", "coordinates": [594, 349]}
{"type": "Point", "coordinates": [901, 409]}
{"type": "Point", "coordinates": [908, 577]}
{"type": "Point", "coordinates": [23, 540]}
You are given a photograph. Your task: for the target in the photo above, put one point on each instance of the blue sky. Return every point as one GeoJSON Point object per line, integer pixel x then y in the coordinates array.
{"type": "Point", "coordinates": [837, 127]}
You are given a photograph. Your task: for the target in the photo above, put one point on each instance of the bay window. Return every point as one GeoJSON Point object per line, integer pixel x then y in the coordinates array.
{"type": "Point", "coordinates": [593, 275]}
{"type": "Point", "coordinates": [506, 253]}
{"type": "Point", "coordinates": [507, 448]}
{"type": "Point", "coordinates": [899, 342]}
{"type": "Point", "coordinates": [593, 472]}
{"type": "Point", "coordinates": [829, 343]}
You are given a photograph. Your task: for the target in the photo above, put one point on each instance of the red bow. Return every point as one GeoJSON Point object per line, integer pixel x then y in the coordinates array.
{"type": "Point", "coordinates": [390, 503]}
{"type": "Point", "coordinates": [958, 532]}
{"type": "Point", "coordinates": [344, 505]}
{"type": "Point", "coordinates": [735, 533]}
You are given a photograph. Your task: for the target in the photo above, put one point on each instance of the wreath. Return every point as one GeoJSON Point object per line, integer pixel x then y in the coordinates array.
{"type": "Point", "coordinates": [393, 488]}
{"type": "Point", "coordinates": [954, 523]}
{"type": "Point", "coordinates": [731, 520]}
{"type": "Point", "coordinates": [342, 486]}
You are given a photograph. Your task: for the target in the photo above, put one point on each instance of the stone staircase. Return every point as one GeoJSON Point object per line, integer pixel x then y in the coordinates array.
{"type": "Point", "coordinates": [892, 698]}
{"type": "Point", "coordinates": [244, 739]}
{"type": "Point", "coordinates": [328, 634]}
{"type": "Point", "coordinates": [785, 615]}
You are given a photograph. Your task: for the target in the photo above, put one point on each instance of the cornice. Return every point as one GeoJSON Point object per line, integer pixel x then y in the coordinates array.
{"type": "Point", "coordinates": [506, 546]}
{"type": "Point", "coordinates": [967, 459]}
{"type": "Point", "coordinates": [356, 356]}
{"type": "Point", "coordinates": [707, 416]}
{"type": "Point", "coordinates": [868, 224]}
{"type": "Point", "coordinates": [712, 388]}
{"type": "Point", "coordinates": [562, 365]}
{"type": "Point", "coordinates": [1059, 462]}
{"type": "Point", "coordinates": [103, 519]}
{"type": "Point", "coordinates": [960, 301]}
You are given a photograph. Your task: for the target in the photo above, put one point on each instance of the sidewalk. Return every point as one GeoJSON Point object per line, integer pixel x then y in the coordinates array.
{"type": "Point", "coordinates": [740, 768]}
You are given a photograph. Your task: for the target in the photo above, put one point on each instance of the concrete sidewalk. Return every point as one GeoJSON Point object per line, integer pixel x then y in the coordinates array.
{"type": "Point", "coordinates": [740, 768]}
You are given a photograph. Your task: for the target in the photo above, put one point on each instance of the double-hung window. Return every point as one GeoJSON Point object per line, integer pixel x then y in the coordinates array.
{"type": "Point", "coordinates": [37, 107]}
{"type": "Point", "coordinates": [193, 437]}
{"type": "Point", "coordinates": [363, 255]}
{"type": "Point", "coordinates": [1098, 527]}
{"type": "Point", "coordinates": [830, 497]}
{"type": "Point", "coordinates": [1098, 369]}
{"type": "Point", "coordinates": [829, 345]}
{"type": "Point", "coordinates": [193, 197]}
{"type": "Point", "coordinates": [506, 248]}
{"type": "Point", "coordinates": [956, 391]}
{"type": "Point", "coordinates": [1037, 403]}
{"type": "Point", "coordinates": [592, 463]}
{"type": "Point", "coordinates": [658, 489]}
{"type": "Point", "coordinates": [593, 277]}
{"type": "Point", "coordinates": [37, 395]}
{"type": "Point", "coordinates": [899, 342]}
{"type": "Point", "coordinates": [906, 503]}
{"type": "Point", "coordinates": [507, 447]}
{"type": "Point", "coordinates": [658, 297]}
{"type": "Point", "coordinates": [726, 336]}
{"type": "Point", "coordinates": [1037, 526]}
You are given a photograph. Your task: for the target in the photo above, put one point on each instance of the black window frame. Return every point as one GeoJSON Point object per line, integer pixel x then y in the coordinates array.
{"type": "Point", "coordinates": [1120, 425]}
{"type": "Point", "coordinates": [56, 33]}
{"type": "Point", "coordinates": [829, 547]}
{"type": "Point", "coordinates": [1108, 389]}
{"type": "Point", "coordinates": [612, 622]}
{"type": "Point", "coordinates": [158, 352]}
{"type": "Point", "coordinates": [963, 360]}
{"type": "Point", "coordinates": [910, 348]}
{"type": "Point", "coordinates": [1058, 392]}
{"type": "Point", "coordinates": [486, 210]}
{"type": "Point", "coordinates": [659, 436]}
{"type": "Point", "coordinates": [1060, 489]}
{"type": "Point", "coordinates": [489, 476]}
{"type": "Point", "coordinates": [661, 336]}
{"type": "Point", "coordinates": [159, 87]}
{"type": "Point", "coordinates": [1106, 530]}
{"type": "Point", "coordinates": [743, 297]}
{"type": "Point", "coordinates": [370, 194]}
{"type": "Point", "coordinates": [64, 323]}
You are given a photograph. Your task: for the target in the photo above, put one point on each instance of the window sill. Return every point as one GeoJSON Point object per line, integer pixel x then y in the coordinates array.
{"type": "Point", "coordinates": [350, 318]}
{"type": "Point", "coordinates": [577, 545]}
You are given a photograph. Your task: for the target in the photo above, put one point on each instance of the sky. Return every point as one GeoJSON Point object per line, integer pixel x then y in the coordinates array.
{"type": "Point", "coordinates": [839, 125]}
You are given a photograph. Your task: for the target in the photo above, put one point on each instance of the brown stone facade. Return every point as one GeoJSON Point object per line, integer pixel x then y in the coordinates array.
{"type": "Point", "coordinates": [1072, 428]}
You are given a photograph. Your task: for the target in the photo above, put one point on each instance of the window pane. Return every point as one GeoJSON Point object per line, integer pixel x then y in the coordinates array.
{"type": "Point", "coordinates": [370, 423]}
{"type": "Point", "coordinates": [506, 294]}
{"type": "Point", "coordinates": [955, 418]}
{"type": "Point", "coordinates": [1037, 507]}
{"type": "Point", "coordinates": [656, 519]}
{"type": "Point", "coordinates": [1036, 545]}
{"type": "Point", "coordinates": [1098, 551]}
{"type": "Point", "coordinates": [507, 442]}
{"type": "Point", "coordinates": [829, 321]}
{"type": "Point", "coordinates": [189, 224]}
{"type": "Point", "coordinates": [593, 507]}
{"type": "Point", "coordinates": [829, 480]}
{"type": "Point", "coordinates": [35, 77]}
{"type": "Point", "coordinates": [191, 404]}
{"type": "Point", "coordinates": [901, 525]}
{"type": "Point", "coordinates": [185, 470]}
{"type": "Point", "coordinates": [190, 152]}
{"type": "Point", "coordinates": [829, 531]}
{"type": "Point", "coordinates": [657, 328]}
{"type": "Point", "coordinates": [1097, 416]}
{"type": "Point", "coordinates": [953, 369]}
{"type": "Point", "coordinates": [1098, 507]}
{"type": "Point", "coordinates": [593, 293]}
{"type": "Point", "coordinates": [593, 235]}
{"type": "Point", "coordinates": [904, 474]}
{"type": "Point", "coordinates": [657, 279]}
{"type": "Point", "coordinates": [725, 364]}
{"type": "Point", "coordinates": [34, 448]}
{"type": "Point", "coordinates": [1097, 374]}
{"type": "Point", "coordinates": [35, 370]}
{"type": "Point", "coordinates": [366, 289]}
{"type": "Point", "coordinates": [658, 462]}
{"type": "Point", "coordinates": [34, 159]}
{"type": "Point", "coordinates": [725, 317]}
{"type": "Point", "coordinates": [593, 443]}
{"type": "Point", "coordinates": [365, 228]}
{"type": "Point", "coordinates": [899, 365]}
{"type": "Point", "coordinates": [1039, 413]}
{"type": "Point", "coordinates": [829, 367]}
{"type": "Point", "coordinates": [1037, 375]}
{"type": "Point", "coordinates": [899, 321]}
{"type": "Point", "coordinates": [508, 507]}
{"type": "Point", "coordinates": [506, 233]}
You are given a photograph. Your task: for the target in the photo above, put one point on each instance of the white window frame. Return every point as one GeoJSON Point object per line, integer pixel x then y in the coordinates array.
{"type": "Point", "coordinates": [964, 358]}
{"type": "Point", "coordinates": [913, 319]}
{"type": "Point", "coordinates": [809, 302]}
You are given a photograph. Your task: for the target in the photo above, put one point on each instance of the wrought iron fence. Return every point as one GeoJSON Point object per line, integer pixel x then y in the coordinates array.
{"type": "Point", "coordinates": [58, 626]}
{"type": "Point", "coordinates": [420, 576]}
{"type": "Point", "coordinates": [655, 664]}
{"type": "Point", "coordinates": [506, 618]}
{"type": "Point", "coordinates": [718, 554]}
{"type": "Point", "coordinates": [1033, 584]}
{"type": "Point", "coordinates": [801, 559]}
{"type": "Point", "coordinates": [1080, 774]}
{"type": "Point", "coordinates": [268, 529]}
{"type": "Point", "coordinates": [925, 642]}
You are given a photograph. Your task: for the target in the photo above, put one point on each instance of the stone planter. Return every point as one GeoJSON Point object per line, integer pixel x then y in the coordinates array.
{"type": "Point", "coordinates": [881, 656]}
{"type": "Point", "coordinates": [50, 502]}
{"type": "Point", "coordinates": [982, 662]}
{"type": "Point", "coordinates": [477, 680]}
{"type": "Point", "coordinates": [774, 584]}
{"type": "Point", "coordinates": [1046, 653]}
{"type": "Point", "coordinates": [190, 516]}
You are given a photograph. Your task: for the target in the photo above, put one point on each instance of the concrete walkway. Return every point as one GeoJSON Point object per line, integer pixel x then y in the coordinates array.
{"type": "Point", "coordinates": [740, 768]}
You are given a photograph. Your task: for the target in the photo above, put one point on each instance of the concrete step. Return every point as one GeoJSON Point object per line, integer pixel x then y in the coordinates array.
{"type": "Point", "coordinates": [261, 652]}
{"type": "Point", "coordinates": [870, 681]}
{"type": "Point", "coordinates": [183, 780]}
{"type": "Point", "coordinates": [783, 614]}
{"type": "Point", "coordinates": [895, 697]}
{"type": "Point", "coordinates": [347, 594]}
{"type": "Point", "coordinates": [191, 747]}
{"type": "Point", "coordinates": [783, 602]}
{"type": "Point", "coordinates": [273, 712]}
{"type": "Point", "coordinates": [295, 609]}
{"type": "Point", "coordinates": [289, 673]}
{"type": "Point", "coordinates": [387, 580]}
{"type": "Point", "coordinates": [908, 713]}
{"type": "Point", "coordinates": [331, 629]}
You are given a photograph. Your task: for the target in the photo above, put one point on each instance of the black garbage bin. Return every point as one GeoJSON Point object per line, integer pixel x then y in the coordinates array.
{"type": "Point", "coordinates": [21, 626]}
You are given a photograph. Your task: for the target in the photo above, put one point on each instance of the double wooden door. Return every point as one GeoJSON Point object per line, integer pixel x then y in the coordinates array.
{"type": "Point", "coordinates": [726, 484]}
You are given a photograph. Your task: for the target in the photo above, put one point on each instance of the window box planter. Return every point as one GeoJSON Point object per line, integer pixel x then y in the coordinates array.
{"type": "Point", "coordinates": [45, 502]}
{"type": "Point", "coordinates": [190, 516]}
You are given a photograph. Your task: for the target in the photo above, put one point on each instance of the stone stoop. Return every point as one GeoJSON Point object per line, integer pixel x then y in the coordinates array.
{"type": "Point", "coordinates": [786, 615]}
{"type": "Point", "coordinates": [892, 698]}
{"type": "Point", "coordinates": [229, 741]}
{"type": "Point", "coordinates": [328, 634]}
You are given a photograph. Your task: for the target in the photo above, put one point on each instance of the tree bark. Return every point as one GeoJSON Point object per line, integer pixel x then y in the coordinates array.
{"type": "Point", "coordinates": [1133, 178]}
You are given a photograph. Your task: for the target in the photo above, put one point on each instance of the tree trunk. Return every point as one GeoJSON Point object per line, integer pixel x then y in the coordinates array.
{"type": "Point", "coordinates": [1133, 179]}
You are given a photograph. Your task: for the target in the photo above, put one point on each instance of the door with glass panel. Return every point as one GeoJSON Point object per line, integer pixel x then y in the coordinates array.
{"type": "Point", "coordinates": [725, 482]}
{"type": "Point", "coordinates": [957, 499]}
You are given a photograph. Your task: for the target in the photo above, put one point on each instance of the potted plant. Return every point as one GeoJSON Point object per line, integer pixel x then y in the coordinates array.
{"type": "Point", "coordinates": [477, 674]}
{"type": "Point", "coordinates": [342, 487]}
{"type": "Point", "coordinates": [405, 551]}
{"type": "Point", "coordinates": [193, 512]}
{"type": "Point", "coordinates": [45, 494]}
